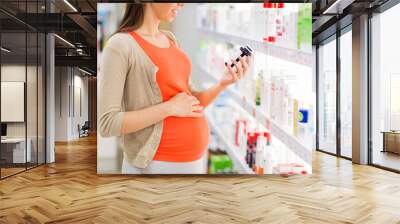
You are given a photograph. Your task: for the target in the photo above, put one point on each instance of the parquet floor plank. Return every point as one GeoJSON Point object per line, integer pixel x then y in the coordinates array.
{"type": "Point", "coordinates": [70, 191]}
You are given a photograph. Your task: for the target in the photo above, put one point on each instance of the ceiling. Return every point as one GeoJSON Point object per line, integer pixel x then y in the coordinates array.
{"type": "Point", "coordinates": [332, 15]}
{"type": "Point", "coordinates": [76, 23]}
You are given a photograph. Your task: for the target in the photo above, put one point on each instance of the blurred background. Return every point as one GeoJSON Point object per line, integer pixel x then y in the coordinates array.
{"type": "Point", "coordinates": [263, 124]}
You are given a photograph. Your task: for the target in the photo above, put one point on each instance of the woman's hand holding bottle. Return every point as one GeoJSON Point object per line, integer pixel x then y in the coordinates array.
{"type": "Point", "coordinates": [184, 105]}
{"type": "Point", "coordinates": [232, 74]}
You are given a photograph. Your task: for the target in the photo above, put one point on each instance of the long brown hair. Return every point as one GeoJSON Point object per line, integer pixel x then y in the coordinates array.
{"type": "Point", "coordinates": [133, 17]}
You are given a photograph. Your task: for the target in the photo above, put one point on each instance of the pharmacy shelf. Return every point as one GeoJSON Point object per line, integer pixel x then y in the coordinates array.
{"type": "Point", "coordinates": [232, 150]}
{"type": "Point", "coordinates": [292, 55]}
{"type": "Point", "coordinates": [290, 141]}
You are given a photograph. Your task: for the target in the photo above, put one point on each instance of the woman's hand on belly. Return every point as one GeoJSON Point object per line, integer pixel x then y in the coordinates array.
{"type": "Point", "coordinates": [184, 105]}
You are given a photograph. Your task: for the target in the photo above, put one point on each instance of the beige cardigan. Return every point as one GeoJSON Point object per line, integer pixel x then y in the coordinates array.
{"type": "Point", "coordinates": [127, 82]}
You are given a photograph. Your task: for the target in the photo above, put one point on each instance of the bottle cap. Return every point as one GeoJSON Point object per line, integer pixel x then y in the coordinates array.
{"type": "Point", "coordinates": [269, 5]}
{"type": "Point", "coordinates": [267, 135]}
{"type": "Point", "coordinates": [251, 138]}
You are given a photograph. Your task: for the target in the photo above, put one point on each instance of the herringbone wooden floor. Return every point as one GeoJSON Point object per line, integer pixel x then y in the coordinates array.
{"type": "Point", "coordinates": [70, 191]}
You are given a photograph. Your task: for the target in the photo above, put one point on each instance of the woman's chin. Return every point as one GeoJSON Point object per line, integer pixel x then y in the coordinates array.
{"type": "Point", "coordinates": [170, 19]}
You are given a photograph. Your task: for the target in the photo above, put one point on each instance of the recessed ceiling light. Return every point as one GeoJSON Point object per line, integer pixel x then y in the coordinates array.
{"type": "Point", "coordinates": [84, 71]}
{"type": "Point", "coordinates": [70, 5]}
{"type": "Point", "coordinates": [64, 40]}
{"type": "Point", "coordinates": [337, 7]}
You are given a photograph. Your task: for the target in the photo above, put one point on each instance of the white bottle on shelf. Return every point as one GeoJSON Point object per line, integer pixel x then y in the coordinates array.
{"type": "Point", "coordinates": [292, 26]}
{"type": "Point", "coordinates": [270, 28]}
{"type": "Point", "coordinates": [279, 23]}
{"type": "Point", "coordinates": [278, 107]}
{"type": "Point", "coordinates": [273, 91]}
{"type": "Point", "coordinates": [260, 149]}
{"type": "Point", "coordinates": [270, 159]}
{"type": "Point", "coordinates": [257, 25]}
{"type": "Point", "coordinates": [258, 99]}
{"type": "Point", "coordinates": [245, 20]}
{"type": "Point", "coordinates": [290, 113]}
{"type": "Point", "coordinates": [284, 104]}
{"type": "Point", "coordinates": [243, 143]}
{"type": "Point", "coordinates": [266, 102]}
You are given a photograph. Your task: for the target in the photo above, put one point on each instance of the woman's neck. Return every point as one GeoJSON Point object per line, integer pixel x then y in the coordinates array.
{"type": "Point", "coordinates": [150, 24]}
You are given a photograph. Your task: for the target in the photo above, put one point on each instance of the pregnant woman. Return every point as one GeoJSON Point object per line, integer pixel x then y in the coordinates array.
{"type": "Point", "coordinates": [145, 96]}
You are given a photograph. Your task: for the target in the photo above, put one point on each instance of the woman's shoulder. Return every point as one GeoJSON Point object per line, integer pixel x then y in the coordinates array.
{"type": "Point", "coordinates": [118, 39]}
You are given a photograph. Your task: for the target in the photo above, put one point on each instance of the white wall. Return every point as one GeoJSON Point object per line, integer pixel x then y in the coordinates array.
{"type": "Point", "coordinates": [33, 127]}
{"type": "Point", "coordinates": [14, 73]}
{"type": "Point", "coordinates": [80, 83]}
{"type": "Point", "coordinates": [61, 103]}
{"type": "Point", "coordinates": [68, 80]}
{"type": "Point", "coordinates": [17, 73]}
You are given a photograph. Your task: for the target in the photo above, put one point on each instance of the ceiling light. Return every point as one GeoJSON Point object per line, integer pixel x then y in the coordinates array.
{"type": "Point", "coordinates": [337, 7]}
{"type": "Point", "coordinates": [70, 5]}
{"type": "Point", "coordinates": [65, 41]}
{"type": "Point", "coordinates": [84, 71]}
{"type": "Point", "coordinates": [5, 50]}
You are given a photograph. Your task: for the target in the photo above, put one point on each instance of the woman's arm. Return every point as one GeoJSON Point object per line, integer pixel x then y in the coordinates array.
{"type": "Point", "coordinates": [207, 96]}
{"type": "Point", "coordinates": [114, 66]}
{"type": "Point", "coordinates": [113, 121]}
{"type": "Point", "coordinates": [230, 76]}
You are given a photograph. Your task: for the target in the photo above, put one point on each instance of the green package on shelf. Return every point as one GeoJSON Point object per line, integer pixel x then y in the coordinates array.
{"type": "Point", "coordinates": [220, 164]}
{"type": "Point", "coordinates": [304, 25]}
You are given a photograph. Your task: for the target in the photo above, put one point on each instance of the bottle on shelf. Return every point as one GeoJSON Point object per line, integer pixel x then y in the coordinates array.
{"type": "Point", "coordinates": [270, 159]}
{"type": "Point", "coordinates": [257, 28]}
{"type": "Point", "coordinates": [291, 28]}
{"type": "Point", "coordinates": [241, 127]}
{"type": "Point", "coordinates": [251, 147]}
{"type": "Point", "coordinates": [262, 145]}
{"type": "Point", "coordinates": [290, 112]}
{"type": "Point", "coordinates": [284, 104]}
{"type": "Point", "coordinates": [273, 94]}
{"type": "Point", "coordinates": [259, 87]}
{"type": "Point", "coordinates": [295, 117]}
{"type": "Point", "coordinates": [306, 124]}
{"type": "Point", "coordinates": [279, 20]}
{"type": "Point", "coordinates": [266, 93]}
{"type": "Point", "coordinates": [270, 24]}
{"type": "Point", "coordinates": [304, 27]}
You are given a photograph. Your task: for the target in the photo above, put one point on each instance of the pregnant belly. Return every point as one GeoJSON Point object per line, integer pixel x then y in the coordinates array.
{"type": "Point", "coordinates": [183, 139]}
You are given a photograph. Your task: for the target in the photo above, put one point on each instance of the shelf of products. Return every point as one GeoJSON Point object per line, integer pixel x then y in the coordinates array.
{"type": "Point", "coordinates": [288, 54]}
{"type": "Point", "coordinates": [232, 151]}
{"type": "Point", "coordinates": [277, 29]}
{"type": "Point", "coordinates": [278, 92]}
{"type": "Point", "coordinates": [290, 141]}
{"type": "Point", "coordinates": [251, 146]}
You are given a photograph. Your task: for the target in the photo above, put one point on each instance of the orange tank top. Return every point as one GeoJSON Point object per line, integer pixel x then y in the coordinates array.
{"type": "Point", "coordinates": [183, 139]}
